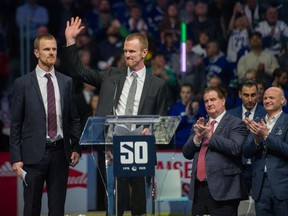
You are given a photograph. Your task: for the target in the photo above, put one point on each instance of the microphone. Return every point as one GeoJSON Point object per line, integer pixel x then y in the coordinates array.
{"type": "Point", "coordinates": [114, 98]}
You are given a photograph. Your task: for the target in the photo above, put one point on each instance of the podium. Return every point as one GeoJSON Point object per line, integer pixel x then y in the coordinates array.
{"type": "Point", "coordinates": [133, 154]}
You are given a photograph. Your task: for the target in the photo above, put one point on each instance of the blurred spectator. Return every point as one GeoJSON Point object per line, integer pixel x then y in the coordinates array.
{"type": "Point", "coordinates": [203, 22]}
{"type": "Point", "coordinates": [215, 81]}
{"type": "Point", "coordinates": [189, 11]}
{"type": "Point", "coordinates": [262, 61]}
{"type": "Point", "coordinates": [119, 60]}
{"type": "Point", "coordinates": [169, 44]}
{"type": "Point", "coordinates": [188, 109]}
{"type": "Point", "coordinates": [155, 16]}
{"type": "Point", "coordinates": [194, 68]}
{"type": "Point", "coordinates": [251, 74]}
{"type": "Point", "coordinates": [216, 64]}
{"type": "Point", "coordinates": [43, 29]}
{"type": "Point", "coordinates": [121, 9]}
{"type": "Point", "coordinates": [109, 47]}
{"type": "Point", "coordinates": [280, 78]}
{"type": "Point", "coordinates": [93, 105]}
{"type": "Point", "coordinates": [200, 48]}
{"type": "Point", "coordinates": [220, 11]}
{"type": "Point", "coordinates": [29, 17]}
{"type": "Point", "coordinates": [83, 102]}
{"type": "Point", "coordinates": [253, 11]}
{"type": "Point", "coordinates": [261, 89]}
{"type": "Point", "coordinates": [160, 69]}
{"type": "Point", "coordinates": [274, 31]}
{"type": "Point", "coordinates": [60, 14]}
{"type": "Point", "coordinates": [171, 21]}
{"type": "Point", "coordinates": [282, 59]}
{"type": "Point", "coordinates": [238, 35]}
{"type": "Point", "coordinates": [98, 18]}
{"type": "Point", "coordinates": [135, 21]}
{"type": "Point", "coordinates": [83, 40]}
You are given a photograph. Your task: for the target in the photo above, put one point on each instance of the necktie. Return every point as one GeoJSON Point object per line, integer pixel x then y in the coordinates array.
{"type": "Point", "coordinates": [51, 108]}
{"type": "Point", "coordinates": [131, 96]}
{"type": "Point", "coordinates": [201, 164]}
{"type": "Point", "coordinates": [247, 114]}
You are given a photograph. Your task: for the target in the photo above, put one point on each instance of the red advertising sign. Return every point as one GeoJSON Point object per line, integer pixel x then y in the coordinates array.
{"type": "Point", "coordinates": [8, 187]}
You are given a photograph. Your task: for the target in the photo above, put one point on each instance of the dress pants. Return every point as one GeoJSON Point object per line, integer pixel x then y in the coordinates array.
{"type": "Point", "coordinates": [138, 195]}
{"type": "Point", "coordinates": [268, 204]}
{"type": "Point", "coordinates": [52, 169]}
{"type": "Point", "coordinates": [204, 204]}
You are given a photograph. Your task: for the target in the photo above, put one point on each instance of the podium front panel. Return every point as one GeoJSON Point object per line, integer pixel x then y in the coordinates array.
{"type": "Point", "coordinates": [134, 156]}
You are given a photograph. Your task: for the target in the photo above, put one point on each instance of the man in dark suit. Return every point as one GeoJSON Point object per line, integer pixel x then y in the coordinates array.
{"type": "Point", "coordinates": [114, 85]}
{"type": "Point", "coordinates": [250, 109]}
{"type": "Point", "coordinates": [215, 146]}
{"type": "Point", "coordinates": [267, 144]}
{"type": "Point", "coordinates": [45, 130]}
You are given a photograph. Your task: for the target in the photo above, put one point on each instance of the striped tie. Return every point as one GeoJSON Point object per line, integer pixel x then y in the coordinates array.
{"type": "Point", "coordinates": [52, 120]}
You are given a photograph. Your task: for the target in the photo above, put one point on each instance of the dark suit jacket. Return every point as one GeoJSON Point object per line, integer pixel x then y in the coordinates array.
{"type": "Point", "coordinates": [223, 159]}
{"type": "Point", "coordinates": [111, 82]}
{"type": "Point", "coordinates": [260, 112]}
{"type": "Point", "coordinates": [276, 160]}
{"type": "Point", "coordinates": [28, 119]}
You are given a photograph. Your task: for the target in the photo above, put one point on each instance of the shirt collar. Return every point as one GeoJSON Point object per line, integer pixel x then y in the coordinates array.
{"type": "Point", "coordinates": [218, 119]}
{"type": "Point", "coordinates": [41, 73]}
{"type": "Point", "coordinates": [273, 118]}
{"type": "Point", "coordinates": [251, 111]}
{"type": "Point", "coordinates": [140, 73]}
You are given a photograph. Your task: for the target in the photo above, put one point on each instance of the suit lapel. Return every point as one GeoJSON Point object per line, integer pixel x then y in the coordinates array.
{"type": "Point", "coordinates": [61, 89]}
{"type": "Point", "coordinates": [36, 86]}
{"type": "Point", "coordinates": [120, 84]}
{"type": "Point", "coordinates": [146, 87]}
{"type": "Point", "coordinates": [278, 128]}
{"type": "Point", "coordinates": [222, 123]}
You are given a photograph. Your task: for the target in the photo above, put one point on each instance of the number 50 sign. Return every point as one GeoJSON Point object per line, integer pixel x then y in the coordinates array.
{"type": "Point", "coordinates": [134, 155]}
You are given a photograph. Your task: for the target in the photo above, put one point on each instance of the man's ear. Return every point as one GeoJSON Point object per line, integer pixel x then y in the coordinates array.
{"type": "Point", "coordinates": [36, 53]}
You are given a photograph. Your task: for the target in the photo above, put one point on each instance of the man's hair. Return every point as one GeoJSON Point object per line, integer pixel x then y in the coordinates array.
{"type": "Point", "coordinates": [221, 92]}
{"type": "Point", "coordinates": [257, 34]}
{"type": "Point", "coordinates": [278, 72]}
{"type": "Point", "coordinates": [249, 84]}
{"type": "Point", "coordinates": [42, 37]}
{"type": "Point", "coordinates": [142, 39]}
{"type": "Point", "coordinates": [187, 85]}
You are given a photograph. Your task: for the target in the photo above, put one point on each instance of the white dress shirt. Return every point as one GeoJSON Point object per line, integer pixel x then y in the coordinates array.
{"type": "Point", "coordinates": [42, 81]}
{"type": "Point", "coordinates": [124, 94]}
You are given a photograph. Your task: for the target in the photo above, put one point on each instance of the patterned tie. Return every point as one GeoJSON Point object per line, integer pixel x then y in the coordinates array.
{"type": "Point", "coordinates": [247, 114]}
{"type": "Point", "coordinates": [51, 106]}
{"type": "Point", "coordinates": [131, 95]}
{"type": "Point", "coordinates": [201, 164]}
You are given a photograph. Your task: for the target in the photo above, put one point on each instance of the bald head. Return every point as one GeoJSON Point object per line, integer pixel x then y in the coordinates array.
{"type": "Point", "coordinates": [273, 100]}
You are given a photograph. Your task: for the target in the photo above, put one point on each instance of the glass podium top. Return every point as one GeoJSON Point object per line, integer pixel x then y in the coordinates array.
{"type": "Point", "coordinates": [100, 130]}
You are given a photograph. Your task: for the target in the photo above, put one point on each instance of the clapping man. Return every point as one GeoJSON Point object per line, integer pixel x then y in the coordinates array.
{"type": "Point", "coordinates": [267, 145]}
{"type": "Point", "coordinates": [215, 146]}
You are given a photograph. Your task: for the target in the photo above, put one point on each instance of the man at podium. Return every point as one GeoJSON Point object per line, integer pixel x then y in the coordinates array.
{"type": "Point", "coordinates": [123, 91]}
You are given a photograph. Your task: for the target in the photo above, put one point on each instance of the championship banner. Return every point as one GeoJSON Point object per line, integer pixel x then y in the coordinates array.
{"type": "Point", "coordinates": [134, 156]}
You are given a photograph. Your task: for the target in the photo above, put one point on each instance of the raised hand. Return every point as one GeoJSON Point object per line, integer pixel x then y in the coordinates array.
{"type": "Point", "coordinates": [73, 28]}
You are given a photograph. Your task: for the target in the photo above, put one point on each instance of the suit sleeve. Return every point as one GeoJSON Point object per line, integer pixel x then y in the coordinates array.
{"type": "Point", "coordinates": [74, 124]}
{"type": "Point", "coordinates": [189, 149]}
{"type": "Point", "coordinates": [76, 69]}
{"type": "Point", "coordinates": [17, 118]}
